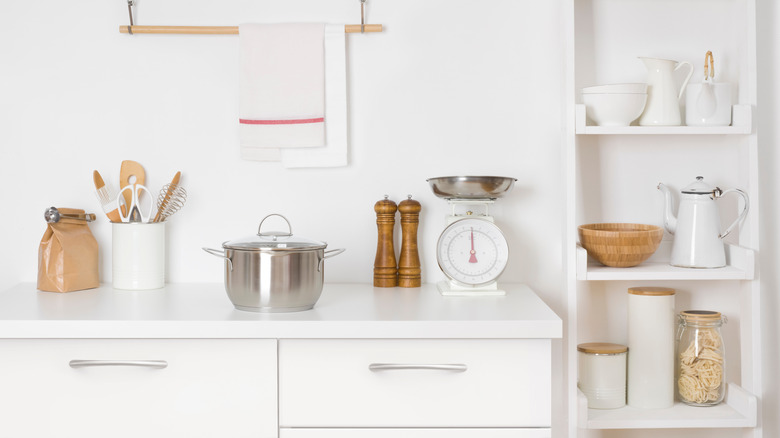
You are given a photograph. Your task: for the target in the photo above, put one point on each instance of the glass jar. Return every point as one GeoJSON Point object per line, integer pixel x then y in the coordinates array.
{"type": "Point", "coordinates": [701, 358]}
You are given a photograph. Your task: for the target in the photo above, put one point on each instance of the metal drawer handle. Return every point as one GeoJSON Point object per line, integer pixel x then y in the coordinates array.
{"type": "Point", "coordinates": [457, 367]}
{"type": "Point", "coordinates": [76, 363]}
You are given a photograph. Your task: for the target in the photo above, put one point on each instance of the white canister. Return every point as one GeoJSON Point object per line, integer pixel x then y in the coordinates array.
{"type": "Point", "coordinates": [708, 104]}
{"type": "Point", "coordinates": [602, 374]}
{"type": "Point", "coordinates": [138, 255]}
{"type": "Point", "coordinates": [651, 330]}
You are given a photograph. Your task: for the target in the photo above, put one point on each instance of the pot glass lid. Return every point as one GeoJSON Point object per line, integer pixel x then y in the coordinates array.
{"type": "Point", "coordinates": [274, 240]}
{"type": "Point", "coordinates": [699, 187]}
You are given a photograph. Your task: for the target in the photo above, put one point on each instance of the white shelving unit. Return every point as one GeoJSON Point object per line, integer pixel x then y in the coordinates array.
{"type": "Point", "coordinates": [737, 411]}
{"type": "Point", "coordinates": [611, 176]}
{"type": "Point", "coordinates": [741, 266]}
{"type": "Point", "coordinates": [742, 123]}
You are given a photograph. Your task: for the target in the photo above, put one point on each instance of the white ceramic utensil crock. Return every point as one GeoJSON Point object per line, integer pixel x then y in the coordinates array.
{"type": "Point", "coordinates": [138, 255]}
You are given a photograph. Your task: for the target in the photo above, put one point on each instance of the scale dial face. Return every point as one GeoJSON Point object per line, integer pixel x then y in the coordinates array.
{"type": "Point", "coordinates": [472, 252]}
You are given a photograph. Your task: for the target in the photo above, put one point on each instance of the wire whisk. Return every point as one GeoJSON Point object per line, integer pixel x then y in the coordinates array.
{"type": "Point", "coordinates": [170, 200]}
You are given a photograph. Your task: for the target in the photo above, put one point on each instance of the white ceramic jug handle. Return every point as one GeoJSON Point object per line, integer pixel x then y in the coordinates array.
{"type": "Point", "coordinates": [687, 78]}
{"type": "Point", "coordinates": [741, 215]}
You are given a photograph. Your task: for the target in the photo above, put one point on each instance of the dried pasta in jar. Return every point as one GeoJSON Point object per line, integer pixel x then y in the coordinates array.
{"type": "Point", "coordinates": [701, 358]}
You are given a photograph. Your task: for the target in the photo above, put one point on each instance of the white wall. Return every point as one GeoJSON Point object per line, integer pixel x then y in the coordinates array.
{"type": "Point", "coordinates": [464, 88]}
{"type": "Point", "coordinates": [450, 87]}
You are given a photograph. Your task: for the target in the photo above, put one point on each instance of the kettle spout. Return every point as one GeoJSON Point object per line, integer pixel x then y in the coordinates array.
{"type": "Point", "coordinates": [670, 221]}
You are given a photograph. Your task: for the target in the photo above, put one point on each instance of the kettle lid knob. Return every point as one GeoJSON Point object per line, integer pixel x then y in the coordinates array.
{"type": "Point", "coordinates": [699, 187]}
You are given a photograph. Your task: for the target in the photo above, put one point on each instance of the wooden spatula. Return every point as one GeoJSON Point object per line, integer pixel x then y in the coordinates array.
{"type": "Point", "coordinates": [129, 169]}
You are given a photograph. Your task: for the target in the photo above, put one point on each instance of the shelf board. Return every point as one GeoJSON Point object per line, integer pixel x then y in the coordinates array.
{"type": "Point", "coordinates": [741, 267]}
{"type": "Point", "coordinates": [738, 410]}
{"type": "Point", "coordinates": [741, 124]}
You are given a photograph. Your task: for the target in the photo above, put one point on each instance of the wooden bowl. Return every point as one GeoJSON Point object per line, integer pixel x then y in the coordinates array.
{"type": "Point", "coordinates": [620, 245]}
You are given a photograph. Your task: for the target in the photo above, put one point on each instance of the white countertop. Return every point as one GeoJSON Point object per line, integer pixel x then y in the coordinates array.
{"type": "Point", "coordinates": [344, 311]}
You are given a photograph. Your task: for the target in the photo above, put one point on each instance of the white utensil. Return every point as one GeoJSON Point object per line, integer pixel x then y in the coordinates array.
{"type": "Point", "coordinates": [135, 211]}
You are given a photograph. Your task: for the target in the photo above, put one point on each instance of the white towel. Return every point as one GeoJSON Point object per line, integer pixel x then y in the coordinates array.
{"type": "Point", "coordinates": [334, 154]}
{"type": "Point", "coordinates": [282, 88]}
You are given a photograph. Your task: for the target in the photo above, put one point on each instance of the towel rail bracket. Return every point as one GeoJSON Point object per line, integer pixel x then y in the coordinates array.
{"type": "Point", "coordinates": [130, 4]}
{"type": "Point", "coordinates": [362, 16]}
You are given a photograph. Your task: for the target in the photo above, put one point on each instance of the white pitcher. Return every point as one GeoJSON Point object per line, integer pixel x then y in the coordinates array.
{"type": "Point", "coordinates": [663, 95]}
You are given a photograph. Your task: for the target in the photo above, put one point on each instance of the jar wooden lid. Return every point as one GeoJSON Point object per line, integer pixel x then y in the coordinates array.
{"type": "Point", "coordinates": [602, 348]}
{"type": "Point", "coordinates": [701, 315]}
{"type": "Point", "coordinates": [651, 291]}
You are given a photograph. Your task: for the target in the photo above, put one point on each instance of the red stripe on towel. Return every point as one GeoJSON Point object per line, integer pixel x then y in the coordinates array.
{"type": "Point", "coordinates": [280, 122]}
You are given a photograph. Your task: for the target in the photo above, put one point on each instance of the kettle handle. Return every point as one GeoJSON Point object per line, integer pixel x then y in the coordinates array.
{"type": "Point", "coordinates": [741, 215]}
{"type": "Point", "coordinates": [687, 78]}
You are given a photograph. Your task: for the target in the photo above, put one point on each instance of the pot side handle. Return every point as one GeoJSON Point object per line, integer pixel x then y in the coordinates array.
{"type": "Point", "coordinates": [333, 252]}
{"type": "Point", "coordinates": [327, 254]}
{"type": "Point", "coordinates": [220, 254]}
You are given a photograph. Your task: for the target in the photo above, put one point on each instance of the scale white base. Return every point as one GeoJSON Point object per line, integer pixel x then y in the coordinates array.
{"type": "Point", "coordinates": [448, 288]}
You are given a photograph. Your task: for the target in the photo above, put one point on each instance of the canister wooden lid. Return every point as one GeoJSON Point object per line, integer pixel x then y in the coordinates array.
{"type": "Point", "coordinates": [651, 291]}
{"type": "Point", "coordinates": [602, 348]}
{"type": "Point", "coordinates": [701, 315]}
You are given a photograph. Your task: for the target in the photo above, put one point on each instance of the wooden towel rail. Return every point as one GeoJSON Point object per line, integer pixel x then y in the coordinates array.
{"type": "Point", "coordinates": [229, 30]}
{"type": "Point", "coordinates": [223, 30]}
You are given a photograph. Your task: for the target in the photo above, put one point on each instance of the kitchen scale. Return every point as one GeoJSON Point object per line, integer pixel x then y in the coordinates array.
{"type": "Point", "coordinates": [472, 252]}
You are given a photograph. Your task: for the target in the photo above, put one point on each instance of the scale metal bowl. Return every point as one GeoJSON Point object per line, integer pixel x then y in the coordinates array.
{"type": "Point", "coordinates": [471, 187]}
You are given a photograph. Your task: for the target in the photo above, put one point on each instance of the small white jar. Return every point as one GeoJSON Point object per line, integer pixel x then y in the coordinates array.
{"type": "Point", "coordinates": [602, 374]}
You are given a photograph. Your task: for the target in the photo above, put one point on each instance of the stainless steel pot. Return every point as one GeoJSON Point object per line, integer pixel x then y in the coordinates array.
{"type": "Point", "coordinates": [274, 271]}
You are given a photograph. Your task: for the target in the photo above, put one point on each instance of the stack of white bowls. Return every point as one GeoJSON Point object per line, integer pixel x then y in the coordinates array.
{"type": "Point", "coordinates": [614, 104]}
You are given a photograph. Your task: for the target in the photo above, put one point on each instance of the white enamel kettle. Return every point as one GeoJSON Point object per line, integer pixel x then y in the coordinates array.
{"type": "Point", "coordinates": [697, 238]}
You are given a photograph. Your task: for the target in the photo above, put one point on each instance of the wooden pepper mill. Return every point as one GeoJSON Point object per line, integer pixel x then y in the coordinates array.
{"type": "Point", "coordinates": [409, 261]}
{"type": "Point", "coordinates": [385, 270]}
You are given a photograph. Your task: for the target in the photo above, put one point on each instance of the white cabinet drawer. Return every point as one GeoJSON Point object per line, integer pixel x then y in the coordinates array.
{"type": "Point", "coordinates": [330, 383]}
{"type": "Point", "coordinates": [415, 433]}
{"type": "Point", "coordinates": [208, 388]}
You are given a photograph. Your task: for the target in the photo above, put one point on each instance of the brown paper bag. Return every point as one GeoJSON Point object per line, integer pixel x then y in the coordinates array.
{"type": "Point", "coordinates": [68, 256]}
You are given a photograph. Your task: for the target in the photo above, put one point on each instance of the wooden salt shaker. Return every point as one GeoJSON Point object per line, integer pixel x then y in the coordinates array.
{"type": "Point", "coordinates": [409, 261]}
{"type": "Point", "coordinates": [385, 270]}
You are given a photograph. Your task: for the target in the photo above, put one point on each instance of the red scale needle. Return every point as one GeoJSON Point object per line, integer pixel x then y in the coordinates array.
{"type": "Point", "coordinates": [473, 258]}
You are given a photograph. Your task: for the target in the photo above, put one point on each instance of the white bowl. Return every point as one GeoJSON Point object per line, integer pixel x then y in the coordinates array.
{"type": "Point", "coordinates": [616, 88]}
{"type": "Point", "coordinates": [614, 109]}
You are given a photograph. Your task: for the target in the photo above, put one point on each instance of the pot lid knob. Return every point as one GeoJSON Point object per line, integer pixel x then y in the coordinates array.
{"type": "Point", "coordinates": [274, 234]}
